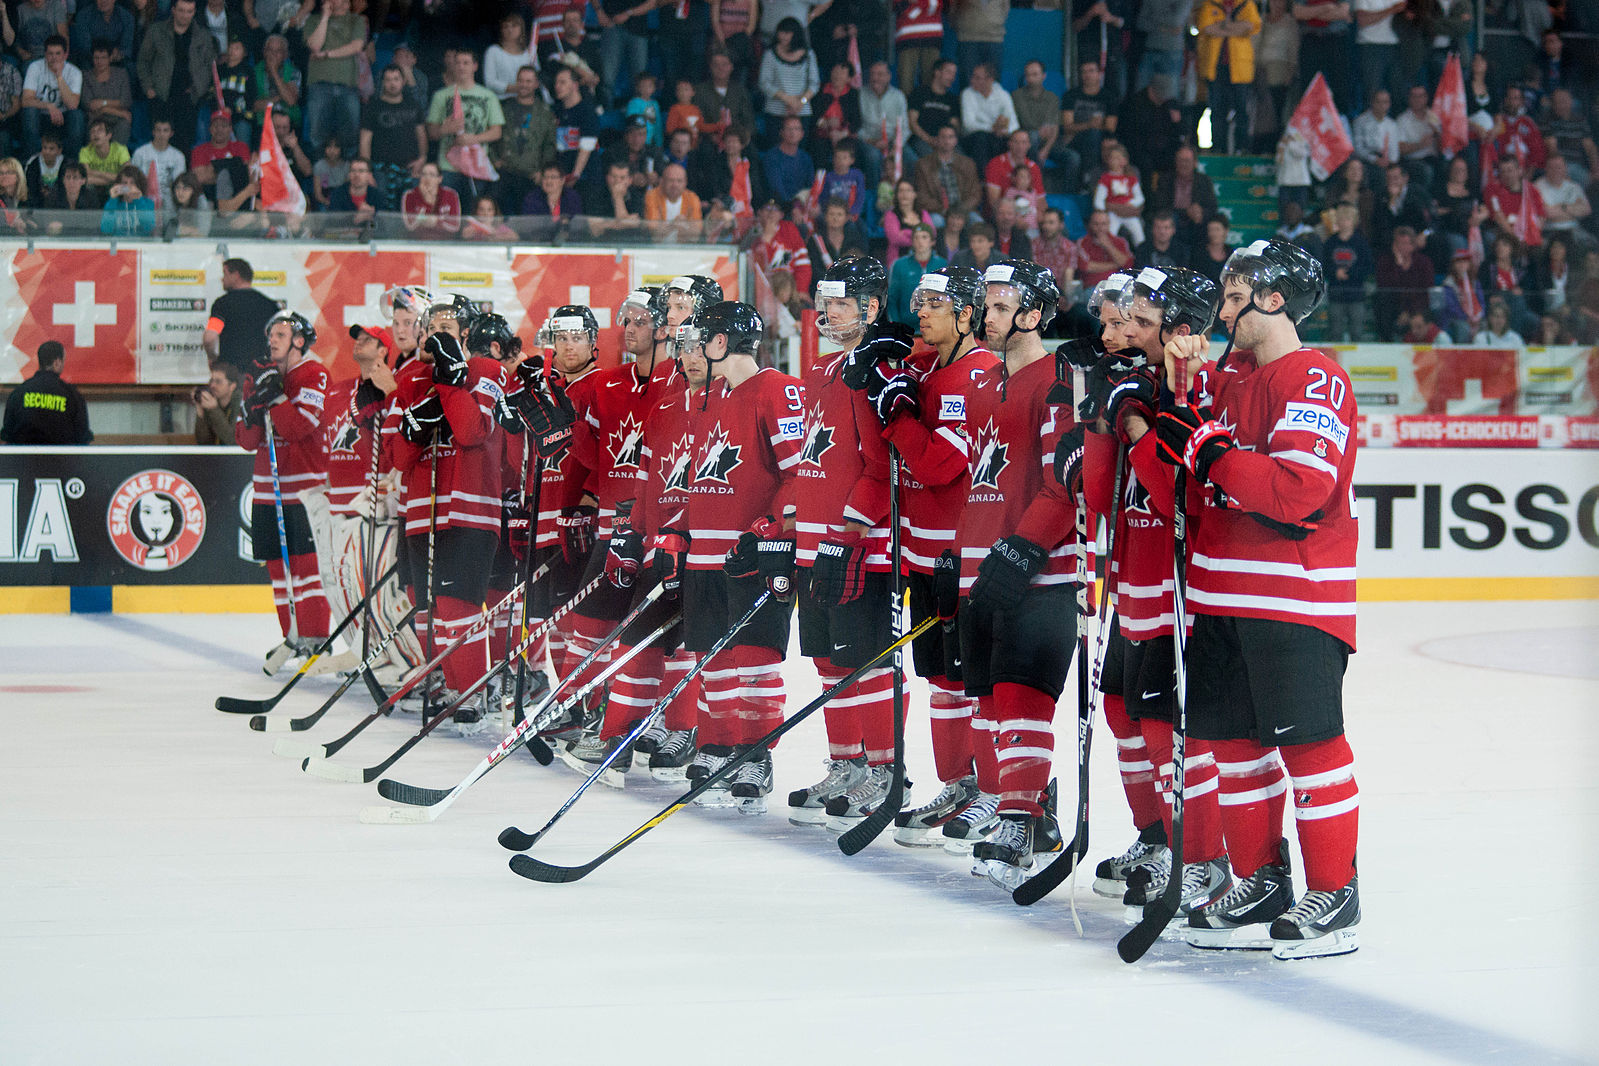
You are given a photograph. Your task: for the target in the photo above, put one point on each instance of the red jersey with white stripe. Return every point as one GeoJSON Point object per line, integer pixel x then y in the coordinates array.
{"type": "Point", "coordinates": [464, 493]}
{"type": "Point", "coordinates": [564, 475]}
{"type": "Point", "coordinates": [746, 451]}
{"type": "Point", "coordinates": [1141, 568]}
{"type": "Point", "coordinates": [609, 436]}
{"type": "Point", "coordinates": [1012, 434]}
{"type": "Point", "coordinates": [1293, 420]}
{"type": "Point", "coordinates": [935, 454]}
{"type": "Point", "coordinates": [350, 428]}
{"type": "Point", "coordinates": [296, 423]}
{"type": "Point", "coordinates": [664, 459]}
{"type": "Point", "coordinates": [842, 474]}
{"type": "Point", "coordinates": [916, 21]}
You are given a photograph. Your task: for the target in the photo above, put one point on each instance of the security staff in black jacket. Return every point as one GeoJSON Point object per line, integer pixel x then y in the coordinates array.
{"type": "Point", "coordinates": [44, 409]}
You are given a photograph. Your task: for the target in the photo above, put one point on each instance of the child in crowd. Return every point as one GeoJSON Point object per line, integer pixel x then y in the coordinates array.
{"type": "Point", "coordinates": [644, 103]}
{"type": "Point", "coordinates": [684, 115]}
{"type": "Point", "coordinates": [1120, 196]}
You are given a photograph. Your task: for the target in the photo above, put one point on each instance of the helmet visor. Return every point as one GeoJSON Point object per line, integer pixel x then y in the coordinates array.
{"type": "Point", "coordinates": [842, 319]}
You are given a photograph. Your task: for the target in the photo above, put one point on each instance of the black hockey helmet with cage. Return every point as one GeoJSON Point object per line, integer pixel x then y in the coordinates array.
{"type": "Point", "coordinates": [1286, 269]}
{"type": "Point", "coordinates": [452, 305]}
{"type": "Point", "coordinates": [740, 322]}
{"type": "Point", "coordinates": [574, 318]}
{"type": "Point", "coordinates": [648, 299]}
{"type": "Point", "coordinates": [857, 277]}
{"type": "Point", "coordinates": [486, 330]}
{"type": "Point", "coordinates": [1035, 286]}
{"type": "Point", "coordinates": [298, 323]}
{"type": "Point", "coordinates": [963, 285]}
{"type": "Point", "coordinates": [702, 290]}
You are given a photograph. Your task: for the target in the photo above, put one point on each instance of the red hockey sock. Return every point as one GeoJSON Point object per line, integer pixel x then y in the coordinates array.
{"type": "Point", "coordinates": [1252, 791]}
{"type": "Point", "coordinates": [761, 696]}
{"type": "Point", "coordinates": [876, 690]}
{"type": "Point", "coordinates": [984, 756]}
{"type": "Point", "coordinates": [310, 602]}
{"type": "Point", "coordinates": [505, 629]}
{"type": "Point", "coordinates": [1202, 831]}
{"type": "Point", "coordinates": [1326, 810]}
{"type": "Point", "coordinates": [841, 714]}
{"type": "Point", "coordinates": [588, 634]}
{"type": "Point", "coordinates": [633, 691]}
{"type": "Point", "coordinates": [1137, 764]}
{"type": "Point", "coordinates": [469, 662]}
{"type": "Point", "coordinates": [1025, 745]}
{"type": "Point", "coordinates": [950, 713]}
{"type": "Point", "coordinates": [680, 713]}
{"type": "Point", "coordinates": [719, 724]}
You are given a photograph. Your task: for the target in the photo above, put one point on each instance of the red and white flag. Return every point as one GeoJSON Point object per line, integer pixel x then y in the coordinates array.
{"type": "Point", "coordinates": [470, 159]}
{"type": "Point", "coordinates": [1529, 216]}
{"type": "Point", "coordinates": [279, 189]}
{"type": "Point", "coordinates": [854, 56]}
{"type": "Point", "coordinates": [1449, 104]}
{"type": "Point", "coordinates": [899, 148]}
{"type": "Point", "coordinates": [1317, 121]}
{"type": "Point", "coordinates": [739, 192]}
{"type": "Point", "coordinates": [814, 197]}
{"type": "Point", "coordinates": [154, 179]}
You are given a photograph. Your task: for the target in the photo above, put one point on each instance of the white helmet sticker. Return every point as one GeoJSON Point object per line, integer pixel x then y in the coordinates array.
{"type": "Point", "coordinates": [1259, 248]}
{"type": "Point", "coordinates": [833, 289]}
{"type": "Point", "coordinates": [1151, 278]}
{"type": "Point", "coordinates": [999, 273]}
{"type": "Point", "coordinates": [683, 282]}
{"type": "Point", "coordinates": [934, 282]}
{"type": "Point", "coordinates": [568, 323]}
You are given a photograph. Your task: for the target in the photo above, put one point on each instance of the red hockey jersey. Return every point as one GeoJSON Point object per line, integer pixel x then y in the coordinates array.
{"type": "Point", "coordinates": [466, 491]}
{"type": "Point", "coordinates": [935, 475]}
{"type": "Point", "coordinates": [1141, 569]}
{"type": "Point", "coordinates": [918, 21]}
{"type": "Point", "coordinates": [661, 486]}
{"type": "Point", "coordinates": [296, 423]}
{"type": "Point", "coordinates": [564, 475]}
{"type": "Point", "coordinates": [1294, 422]}
{"type": "Point", "coordinates": [350, 431]}
{"type": "Point", "coordinates": [609, 436]}
{"type": "Point", "coordinates": [842, 475]}
{"type": "Point", "coordinates": [1012, 434]}
{"type": "Point", "coordinates": [745, 456]}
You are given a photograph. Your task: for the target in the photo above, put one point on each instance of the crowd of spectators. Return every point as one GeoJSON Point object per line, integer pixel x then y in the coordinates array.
{"type": "Point", "coordinates": [736, 120]}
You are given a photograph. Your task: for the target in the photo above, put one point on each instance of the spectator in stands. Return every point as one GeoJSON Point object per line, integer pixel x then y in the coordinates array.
{"type": "Point", "coordinates": [236, 331]}
{"type": "Point", "coordinates": [1163, 28]}
{"type": "Point", "coordinates": [1349, 186]}
{"type": "Point", "coordinates": [1102, 32]}
{"type": "Point", "coordinates": [1497, 331]}
{"type": "Point", "coordinates": [578, 52]}
{"type": "Point", "coordinates": [619, 207]}
{"type": "Point", "coordinates": [1088, 116]}
{"type": "Point", "coordinates": [907, 270]}
{"type": "Point", "coordinates": [1325, 49]}
{"type": "Point", "coordinates": [997, 174]}
{"type": "Point", "coordinates": [1187, 192]}
{"type": "Point", "coordinates": [1568, 133]}
{"type": "Point", "coordinates": [980, 40]}
{"type": "Point", "coordinates": [1404, 203]}
{"type": "Point", "coordinates": [789, 76]}
{"type": "Point", "coordinates": [1515, 134]}
{"type": "Point", "coordinates": [918, 41]}
{"type": "Point", "coordinates": [43, 171]}
{"type": "Point", "coordinates": [330, 172]}
{"type": "Point", "coordinates": [1565, 205]}
{"type": "Point", "coordinates": [1056, 252]}
{"type": "Point", "coordinates": [102, 157]}
{"type": "Point", "coordinates": [624, 40]}
{"type": "Point", "coordinates": [1010, 236]}
{"type": "Point", "coordinates": [644, 106]}
{"type": "Point", "coordinates": [844, 180]}
{"type": "Point", "coordinates": [733, 37]}
{"type": "Point", "coordinates": [1226, 56]}
{"type": "Point", "coordinates": [722, 98]}
{"type": "Point", "coordinates": [930, 108]}
{"type": "Point", "coordinates": [681, 37]}
{"type": "Point", "coordinates": [216, 406]}
{"type": "Point", "coordinates": [901, 220]}
{"type": "Point", "coordinates": [1100, 253]}
{"type": "Point", "coordinates": [952, 237]}
{"type": "Point", "coordinates": [1210, 254]}
{"type": "Point", "coordinates": [554, 197]}
{"type": "Point", "coordinates": [1510, 200]}
{"type": "Point", "coordinates": [1375, 134]}
{"type": "Point", "coordinates": [44, 409]}
{"type": "Point", "coordinates": [278, 82]}
{"type": "Point", "coordinates": [979, 251]}
{"type": "Point", "coordinates": [1119, 194]}
{"type": "Point", "coordinates": [1378, 44]}
{"type": "Point", "coordinates": [634, 152]}
{"type": "Point", "coordinates": [987, 114]}
{"type": "Point", "coordinates": [431, 211]}
{"type": "Point", "coordinates": [299, 162]}
{"type": "Point", "coordinates": [1505, 276]}
{"type": "Point", "coordinates": [1347, 259]}
{"type": "Point", "coordinates": [1417, 128]}
{"type": "Point", "coordinates": [108, 94]}
{"type": "Point", "coordinates": [37, 22]}
{"type": "Point", "coordinates": [1459, 209]}
{"type": "Point", "coordinates": [1296, 230]}
{"type": "Point", "coordinates": [1554, 329]}
{"type": "Point", "coordinates": [1551, 275]}
{"type": "Point", "coordinates": [394, 139]}
{"type": "Point", "coordinates": [946, 180]}
{"type": "Point", "coordinates": [1151, 126]}
{"type": "Point", "coordinates": [104, 21]}
{"type": "Point", "coordinates": [74, 207]}
{"type": "Point", "coordinates": [50, 97]}
{"type": "Point", "coordinates": [482, 120]}
{"type": "Point", "coordinates": [1276, 70]}
{"type": "Point", "coordinates": [674, 203]}
{"type": "Point", "coordinates": [485, 223]}
{"type": "Point", "coordinates": [577, 127]}
{"type": "Point", "coordinates": [788, 170]}
{"type": "Point", "coordinates": [677, 151]}
{"type": "Point", "coordinates": [206, 160]}
{"type": "Point", "coordinates": [190, 214]}
{"type": "Point", "coordinates": [1029, 200]}
{"type": "Point", "coordinates": [728, 176]}
{"type": "Point", "coordinates": [13, 196]}
{"type": "Point", "coordinates": [835, 235]}
{"type": "Point", "coordinates": [509, 54]}
{"type": "Point", "coordinates": [1163, 249]}
{"type": "Point", "coordinates": [837, 107]}
{"type": "Point", "coordinates": [236, 75]}
{"type": "Point", "coordinates": [359, 196]}
{"type": "Point", "coordinates": [883, 113]}
{"type": "Point", "coordinates": [776, 245]}
{"type": "Point", "coordinates": [174, 69]}
{"type": "Point", "coordinates": [684, 114]}
{"type": "Point", "coordinates": [1404, 281]}
{"type": "Point", "coordinates": [128, 211]}
{"type": "Point", "coordinates": [1419, 330]}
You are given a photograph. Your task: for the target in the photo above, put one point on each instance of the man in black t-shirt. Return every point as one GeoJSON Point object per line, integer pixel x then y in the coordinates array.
{"type": "Point", "coordinates": [1087, 117]}
{"type": "Point", "coordinates": [930, 108]}
{"type": "Point", "coordinates": [393, 134]}
{"type": "Point", "coordinates": [236, 331]}
{"type": "Point", "coordinates": [44, 409]}
{"type": "Point", "coordinates": [577, 130]}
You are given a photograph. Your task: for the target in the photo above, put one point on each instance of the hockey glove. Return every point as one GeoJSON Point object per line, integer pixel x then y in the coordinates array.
{"type": "Point", "coordinates": [1186, 438]}
{"type": "Point", "coordinates": [267, 388]}
{"type": "Point", "coordinates": [885, 342]}
{"type": "Point", "coordinates": [424, 420]}
{"type": "Point", "coordinates": [838, 576]}
{"type": "Point", "coordinates": [893, 393]}
{"type": "Point", "coordinates": [624, 555]}
{"type": "Point", "coordinates": [531, 371]}
{"type": "Point", "coordinates": [1069, 460]}
{"type": "Point", "coordinates": [507, 417]}
{"type": "Point", "coordinates": [516, 522]}
{"type": "Point", "coordinates": [449, 359]}
{"type": "Point", "coordinates": [1006, 572]}
{"type": "Point", "coordinates": [1073, 355]}
{"type": "Point", "coordinates": [774, 557]}
{"type": "Point", "coordinates": [671, 558]}
{"type": "Point", "coordinates": [549, 417]}
{"type": "Point", "coordinates": [946, 585]}
{"type": "Point", "coordinates": [1136, 394]}
{"type": "Point", "coordinates": [576, 526]}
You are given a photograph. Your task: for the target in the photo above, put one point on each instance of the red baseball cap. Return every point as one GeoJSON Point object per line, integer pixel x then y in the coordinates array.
{"type": "Point", "coordinates": [380, 332]}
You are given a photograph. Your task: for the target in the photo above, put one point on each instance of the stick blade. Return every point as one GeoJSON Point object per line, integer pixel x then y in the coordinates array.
{"type": "Point", "coordinates": [536, 870]}
{"type": "Point", "coordinates": [858, 836]}
{"type": "Point", "coordinates": [230, 705]}
{"type": "Point", "coordinates": [1141, 937]}
{"type": "Point", "coordinates": [513, 839]}
{"type": "Point", "coordinates": [412, 795]}
{"type": "Point", "coordinates": [397, 815]}
{"type": "Point", "coordinates": [1049, 879]}
{"type": "Point", "coordinates": [540, 751]}
{"type": "Point", "coordinates": [331, 771]}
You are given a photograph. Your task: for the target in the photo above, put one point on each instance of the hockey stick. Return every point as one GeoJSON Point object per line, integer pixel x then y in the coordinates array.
{"type": "Point", "coordinates": [519, 693]}
{"type": "Point", "coordinates": [338, 772]}
{"type": "Point", "coordinates": [368, 561]}
{"type": "Point", "coordinates": [261, 723]}
{"type": "Point", "coordinates": [432, 573]}
{"type": "Point", "coordinates": [283, 535]}
{"type": "Point", "coordinates": [232, 705]}
{"type": "Point", "coordinates": [867, 829]}
{"type": "Point", "coordinates": [426, 804]}
{"type": "Point", "coordinates": [1049, 878]}
{"type": "Point", "coordinates": [516, 840]}
{"type": "Point", "coordinates": [538, 870]}
{"type": "Point", "coordinates": [418, 676]}
{"type": "Point", "coordinates": [1159, 912]}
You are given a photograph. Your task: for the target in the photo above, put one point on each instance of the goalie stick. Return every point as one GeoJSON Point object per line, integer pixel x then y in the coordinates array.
{"type": "Point", "coordinates": [515, 839]}
{"type": "Point", "coordinates": [536, 747]}
{"type": "Point", "coordinates": [538, 870]}
{"type": "Point", "coordinates": [426, 804]}
{"type": "Point", "coordinates": [262, 723]}
{"type": "Point", "coordinates": [232, 705]}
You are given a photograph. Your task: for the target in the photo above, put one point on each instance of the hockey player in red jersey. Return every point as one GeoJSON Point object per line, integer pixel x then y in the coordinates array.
{"type": "Point", "coordinates": [1268, 442]}
{"type": "Point", "coordinates": [924, 415]}
{"type": "Point", "coordinates": [741, 481]}
{"type": "Point", "coordinates": [282, 416]}
{"type": "Point", "coordinates": [444, 452]}
{"type": "Point", "coordinates": [840, 542]}
{"type": "Point", "coordinates": [1138, 313]}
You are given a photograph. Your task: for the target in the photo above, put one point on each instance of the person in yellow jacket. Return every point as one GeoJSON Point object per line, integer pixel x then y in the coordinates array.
{"type": "Point", "coordinates": [1226, 55]}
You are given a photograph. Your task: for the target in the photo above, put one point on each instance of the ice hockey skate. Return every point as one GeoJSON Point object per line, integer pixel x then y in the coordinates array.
{"type": "Point", "coordinates": [710, 759]}
{"type": "Point", "coordinates": [1322, 923]}
{"type": "Point", "coordinates": [752, 783]}
{"type": "Point", "coordinates": [974, 824]}
{"type": "Point", "coordinates": [1241, 919]}
{"type": "Point", "coordinates": [846, 810]}
{"type": "Point", "coordinates": [586, 753]}
{"type": "Point", "coordinates": [1203, 884]}
{"type": "Point", "coordinates": [917, 828]}
{"type": "Point", "coordinates": [808, 806]}
{"type": "Point", "coordinates": [1110, 876]}
{"type": "Point", "coordinates": [671, 758]}
{"type": "Point", "coordinates": [1009, 855]}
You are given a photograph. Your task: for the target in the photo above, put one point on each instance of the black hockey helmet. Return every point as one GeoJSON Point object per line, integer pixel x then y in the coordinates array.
{"type": "Point", "coordinates": [857, 276]}
{"type": "Point", "coordinates": [1280, 267]}
{"type": "Point", "coordinates": [648, 299]}
{"type": "Point", "coordinates": [1113, 289]}
{"type": "Point", "coordinates": [739, 321]}
{"type": "Point", "coordinates": [452, 305]}
{"type": "Point", "coordinates": [702, 290]}
{"type": "Point", "coordinates": [573, 318]}
{"type": "Point", "coordinates": [299, 323]}
{"type": "Point", "coordinates": [1184, 297]}
{"type": "Point", "coordinates": [962, 285]}
{"type": "Point", "coordinates": [488, 328]}
{"type": "Point", "coordinates": [1035, 286]}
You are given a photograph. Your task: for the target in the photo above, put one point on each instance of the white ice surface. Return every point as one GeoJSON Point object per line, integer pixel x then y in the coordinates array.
{"type": "Point", "coordinates": [171, 892]}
